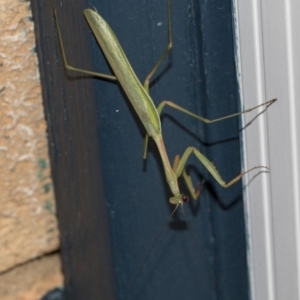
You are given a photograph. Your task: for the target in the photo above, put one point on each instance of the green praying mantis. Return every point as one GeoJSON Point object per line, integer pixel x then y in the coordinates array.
{"type": "Point", "coordinates": [139, 97]}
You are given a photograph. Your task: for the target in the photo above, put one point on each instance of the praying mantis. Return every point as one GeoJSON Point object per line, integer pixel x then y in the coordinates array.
{"type": "Point", "coordinates": [138, 95]}
{"type": "Point", "coordinates": [149, 115]}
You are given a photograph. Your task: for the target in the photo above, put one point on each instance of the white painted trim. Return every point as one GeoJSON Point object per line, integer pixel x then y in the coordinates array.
{"type": "Point", "coordinates": [268, 56]}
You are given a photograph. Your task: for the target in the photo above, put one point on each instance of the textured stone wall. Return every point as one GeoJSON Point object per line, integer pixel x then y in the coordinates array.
{"type": "Point", "coordinates": [28, 225]}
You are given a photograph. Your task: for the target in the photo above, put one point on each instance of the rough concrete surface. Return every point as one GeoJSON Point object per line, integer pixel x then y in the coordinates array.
{"type": "Point", "coordinates": [32, 280]}
{"type": "Point", "coordinates": [28, 225]}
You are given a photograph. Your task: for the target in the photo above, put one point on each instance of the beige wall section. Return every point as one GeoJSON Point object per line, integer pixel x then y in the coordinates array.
{"type": "Point", "coordinates": [28, 226]}
{"type": "Point", "coordinates": [32, 280]}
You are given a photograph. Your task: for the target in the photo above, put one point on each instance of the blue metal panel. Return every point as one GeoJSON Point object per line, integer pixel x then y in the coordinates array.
{"type": "Point", "coordinates": [112, 204]}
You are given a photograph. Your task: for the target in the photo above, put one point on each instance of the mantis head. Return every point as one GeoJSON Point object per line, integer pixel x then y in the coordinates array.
{"type": "Point", "coordinates": [179, 199]}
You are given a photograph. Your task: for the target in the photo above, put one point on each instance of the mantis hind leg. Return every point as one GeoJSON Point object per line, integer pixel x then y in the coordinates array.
{"type": "Point", "coordinates": [165, 53]}
{"type": "Point", "coordinates": [155, 68]}
{"type": "Point", "coordinates": [63, 53]}
{"type": "Point", "coordinates": [180, 163]}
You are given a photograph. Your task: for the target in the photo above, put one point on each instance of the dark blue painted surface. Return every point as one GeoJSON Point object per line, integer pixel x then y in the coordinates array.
{"type": "Point", "coordinates": [112, 204]}
{"type": "Point", "coordinates": [55, 294]}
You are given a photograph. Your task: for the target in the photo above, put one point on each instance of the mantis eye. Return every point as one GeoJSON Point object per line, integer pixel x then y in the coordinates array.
{"type": "Point", "coordinates": [185, 198]}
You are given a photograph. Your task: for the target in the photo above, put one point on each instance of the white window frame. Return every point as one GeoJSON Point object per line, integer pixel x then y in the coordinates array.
{"type": "Point", "coordinates": [268, 60]}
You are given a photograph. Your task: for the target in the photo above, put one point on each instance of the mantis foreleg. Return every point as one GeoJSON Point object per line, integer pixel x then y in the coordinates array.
{"type": "Point", "coordinates": [181, 162]}
{"type": "Point", "coordinates": [195, 193]}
